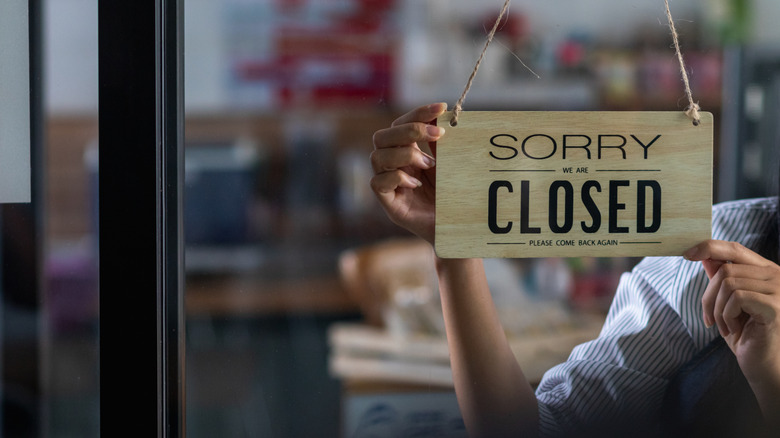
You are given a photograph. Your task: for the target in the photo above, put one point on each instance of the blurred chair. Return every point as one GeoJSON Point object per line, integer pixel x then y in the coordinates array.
{"type": "Point", "coordinates": [393, 281]}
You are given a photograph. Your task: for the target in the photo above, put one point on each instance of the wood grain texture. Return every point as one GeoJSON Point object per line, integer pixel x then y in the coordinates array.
{"type": "Point", "coordinates": [570, 184]}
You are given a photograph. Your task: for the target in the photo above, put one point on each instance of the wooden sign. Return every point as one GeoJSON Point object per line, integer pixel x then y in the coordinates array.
{"type": "Point", "coordinates": [571, 184]}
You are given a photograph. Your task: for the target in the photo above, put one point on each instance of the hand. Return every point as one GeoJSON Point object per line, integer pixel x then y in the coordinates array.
{"type": "Point", "coordinates": [404, 176]}
{"type": "Point", "coordinates": [743, 299]}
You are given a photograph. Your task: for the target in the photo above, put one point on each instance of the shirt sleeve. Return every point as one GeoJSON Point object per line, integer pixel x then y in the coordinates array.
{"type": "Point", "coordinates": [622, 375]}
{"type": "Point", "coordinates": [653, 327]}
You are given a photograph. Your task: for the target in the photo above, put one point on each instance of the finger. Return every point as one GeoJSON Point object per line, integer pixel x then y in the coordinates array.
{"type": "Point", "coordinates": [724, 251]}
{"type": "Point", "coordinates": [730, 277]}
{"type": "Point", "coordinates": [764, 274]}
{"type": "Point", "coordinates": [385, 184]}
{"type": "Point", "coordinates": [406, 134]}
{"type": "Point", "coordinates": [708, 300]}
{"type": "Point", "coordinates": [732, 285]}
{"type": "Point", "coordinates": [384, 160]}
{"type": "Point", "coordinates": [711, 267]}
{"type": "Point", "coordinates": [713, 291]}
{"type": "Point", "coordinates": [727, 288]}
{"type": "Point", "coordinates": [745, 304]}
{"type": "Point", "coordinates": [723, 296]}
{"type": "Point", "coordinates": [422, 114]}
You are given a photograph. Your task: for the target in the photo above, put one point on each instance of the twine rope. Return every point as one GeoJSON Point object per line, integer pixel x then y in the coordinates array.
{"type": "Point", "coordinates": [692, 111]}
{"type": "Point", "coordinates": [693, 108]}
{"type": "Point", "coordinates": [459, 104]}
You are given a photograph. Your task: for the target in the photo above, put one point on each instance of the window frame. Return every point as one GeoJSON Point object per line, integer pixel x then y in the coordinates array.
{"type": "Point", "coordinates": [21, 246]}
{"type": "Point", "coordinates": [140, 197]}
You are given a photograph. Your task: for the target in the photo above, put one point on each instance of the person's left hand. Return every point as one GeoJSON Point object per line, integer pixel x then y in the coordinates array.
{"type": "Point", "coordinates": [743, 299]}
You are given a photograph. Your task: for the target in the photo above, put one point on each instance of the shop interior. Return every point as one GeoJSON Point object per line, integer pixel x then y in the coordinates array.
{"type": "Point", "coordinates": [309, 313]}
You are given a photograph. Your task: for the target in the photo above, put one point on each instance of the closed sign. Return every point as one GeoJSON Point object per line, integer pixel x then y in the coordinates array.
{"type": "Point", "coordinates": [568, 184]}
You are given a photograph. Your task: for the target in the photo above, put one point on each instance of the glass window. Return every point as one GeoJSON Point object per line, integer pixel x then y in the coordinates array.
{"type": "Point", "coordinates": [70, 310]}
{"type": "Point", "coordinates": [281, 100]}
{"type": "Point", "coordinates": [290, 330]}
{"type": "Point", "coordinates": [49, 276]}
{"type": "Point", "coordinates": [285, 319]}
{"type": "Point", "coordinates": [54, 365]}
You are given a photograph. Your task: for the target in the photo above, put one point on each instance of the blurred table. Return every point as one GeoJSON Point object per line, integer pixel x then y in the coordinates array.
{"type": "Point", "coordinates": [402, 385]}
{"type": "Point", "coordinates": [365, 353]}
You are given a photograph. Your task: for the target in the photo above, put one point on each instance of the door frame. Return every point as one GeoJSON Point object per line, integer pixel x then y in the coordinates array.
{"type": "Point", "coordinates": [140, 68]}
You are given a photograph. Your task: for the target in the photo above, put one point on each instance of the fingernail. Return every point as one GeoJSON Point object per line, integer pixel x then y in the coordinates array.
{"type": "Point", "coordinates": [435, 131]}
{"type": "Point", "coordinates": [428, 160]}
{"type": "Point", "coordinates": [417, 182]}
{"type": "Point", "coordinates": [691, 253]}
{"type": "Point", "coordinates": [437, 107]}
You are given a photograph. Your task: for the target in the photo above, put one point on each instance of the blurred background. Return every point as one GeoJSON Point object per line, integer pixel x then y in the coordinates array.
{"type": "Point", "coordinates": [308, 313]}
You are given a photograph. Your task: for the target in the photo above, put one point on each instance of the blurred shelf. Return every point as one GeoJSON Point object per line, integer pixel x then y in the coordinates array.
{"type": "Point", "coordinates": [558, 94]}
{"type": "Point", "coordinates": [252, 296]}
{"type": "Point", "coordinates": [216, 259]}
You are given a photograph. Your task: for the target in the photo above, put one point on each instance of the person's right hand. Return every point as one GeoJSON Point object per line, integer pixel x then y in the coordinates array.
{"type": "Point", "coordinates": [404, 176]}
{"type": "Point", "coordinates": [743, 300]}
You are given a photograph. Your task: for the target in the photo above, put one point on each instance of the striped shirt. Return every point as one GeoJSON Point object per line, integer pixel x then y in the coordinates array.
{"type": "Point", "coordinates": [654, 326]}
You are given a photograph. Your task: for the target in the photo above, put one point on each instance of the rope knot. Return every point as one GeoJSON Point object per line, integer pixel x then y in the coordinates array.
{"type": "Point", "coordinates": [693, 113]}
{"type": "Point", "coordinates": [455, 113]}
